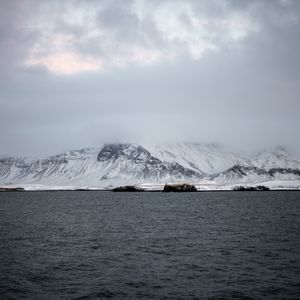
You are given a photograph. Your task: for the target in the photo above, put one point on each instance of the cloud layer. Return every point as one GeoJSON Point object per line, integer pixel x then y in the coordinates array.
{"type": "Point", "coordinates": [100, 35]}
{"type": "Point", "coordinates": [76, 73]}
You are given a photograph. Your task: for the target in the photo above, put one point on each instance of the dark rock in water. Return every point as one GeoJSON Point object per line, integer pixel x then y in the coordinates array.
{"type": "Point", "coordinates": [7, 189]}
{"type": "Point", "coordinates": [243, 188]}
{"type": "Point", "coordinates": [251, 188]}
{"type": "Point", "coordinates": [127, 188]}
{"type": "Point", "coordinates": [179, 188]}
{"type": "Point", "coordinates": [262, 188]}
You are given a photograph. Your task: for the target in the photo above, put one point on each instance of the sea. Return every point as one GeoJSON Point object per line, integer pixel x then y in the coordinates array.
{"type": "Point", "coordinates": [151, 245]}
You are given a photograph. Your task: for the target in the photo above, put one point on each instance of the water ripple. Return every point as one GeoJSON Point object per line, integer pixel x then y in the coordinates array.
{"type": "Point", "coordinates": [98, 245]}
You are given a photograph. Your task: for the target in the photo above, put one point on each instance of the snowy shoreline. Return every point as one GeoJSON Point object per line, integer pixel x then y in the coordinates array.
{"type": "Point", "coordinates": [273, 186]}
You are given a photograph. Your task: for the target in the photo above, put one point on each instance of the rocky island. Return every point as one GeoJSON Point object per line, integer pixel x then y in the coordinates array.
{"type": "Point", "coordinates": [179, 188]}
{"type": "Point", "coordinates": [128, 188]}
{"type": "Point", "coordinates": [251, 188]}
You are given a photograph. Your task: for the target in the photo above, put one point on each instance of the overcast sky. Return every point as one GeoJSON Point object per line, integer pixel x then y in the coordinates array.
{"type": "Point", "coordinates": [79, 73]}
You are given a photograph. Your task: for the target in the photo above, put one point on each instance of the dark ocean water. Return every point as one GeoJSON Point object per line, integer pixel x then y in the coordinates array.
{"type": "Point", "coordinates": [95, 245]}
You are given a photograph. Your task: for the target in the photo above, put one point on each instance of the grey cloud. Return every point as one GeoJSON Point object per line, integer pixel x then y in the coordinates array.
{"type": "Point", "coordinates": [14, 40]}
{"type": "Point", "coordinates": [247, 92]}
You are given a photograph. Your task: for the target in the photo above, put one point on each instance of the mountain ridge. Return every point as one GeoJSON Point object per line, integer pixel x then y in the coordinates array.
{"type": "Point", "coordinates": [128, 163]}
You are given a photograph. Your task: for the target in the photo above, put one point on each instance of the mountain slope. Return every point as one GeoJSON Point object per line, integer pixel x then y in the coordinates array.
{"type": "Point", "coordinates": [278, 157]}
{"type": "Point", "coordinates": [252, 174]}
{"type": "Point", "coordinates": [209, 158]}
{"type": "Point", "coordinates": [112, 165]}
{"type": "Point", "coordinates": [130, 161]}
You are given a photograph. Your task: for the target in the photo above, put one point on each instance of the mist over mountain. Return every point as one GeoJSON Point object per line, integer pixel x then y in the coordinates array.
{"type": "Point", "coordinates": [77, 73]}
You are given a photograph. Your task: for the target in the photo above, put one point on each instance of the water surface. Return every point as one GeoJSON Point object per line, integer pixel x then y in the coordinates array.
{"type": "Point", "coordinates": [95, 245]}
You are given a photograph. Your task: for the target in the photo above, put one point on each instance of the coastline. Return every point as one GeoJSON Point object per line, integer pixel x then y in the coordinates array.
{"type": "Point", "coordinates": [20, 189]}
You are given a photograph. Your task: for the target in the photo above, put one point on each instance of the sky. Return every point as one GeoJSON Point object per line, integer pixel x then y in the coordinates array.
{"type": "Point", "coordinates": [76, 74]}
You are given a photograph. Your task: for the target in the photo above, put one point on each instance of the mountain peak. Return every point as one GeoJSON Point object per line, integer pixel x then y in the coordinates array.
{"type": "Point", "coordinates": [114, 151]}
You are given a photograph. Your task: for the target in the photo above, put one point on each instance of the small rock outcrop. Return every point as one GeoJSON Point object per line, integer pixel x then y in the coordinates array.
{"type": "Point", "coordinates": [251, 188]}
{"type": "Point", "coordinates": [262, 188]}
{"type": "Point", "coordinates": [127, 188]}
{"type": "Point", "coordinates": [179, 188]}
{"type": "Point", "coordinates": [12, 189]}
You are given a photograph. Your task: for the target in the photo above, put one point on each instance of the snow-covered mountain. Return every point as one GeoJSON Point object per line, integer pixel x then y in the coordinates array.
{"type": "Point", "coordinates": [209, 158]}
{"type": "Point", "coordinates": [278, 157]}
{"type": "Point", "coordinates": [267, 165]}
{"type": "Point", "coordinates": [119, 164]}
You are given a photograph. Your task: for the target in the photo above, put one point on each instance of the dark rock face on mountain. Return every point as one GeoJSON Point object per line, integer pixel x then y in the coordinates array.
{"type": "Point", "coordinates": [239, 172]}
{"type": "Point", "coordinates": [135, 153]}
{"type": "Point", "coordinates": [138, 162]}
{"type": "Point", "coordinates": [9, 164]}
{"type": "Point", "coordinates": [62, 167]}
{"type": "Point", "coordinates": [179, 188]}
{"type": "Point", "coordinates": [284, 171]}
